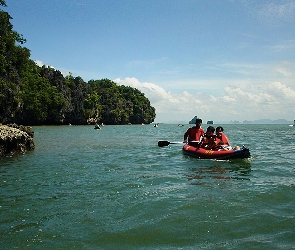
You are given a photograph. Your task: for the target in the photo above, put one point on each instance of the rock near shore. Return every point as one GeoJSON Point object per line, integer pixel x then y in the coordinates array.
{"type": "Point", "coordinates": [15, 139]}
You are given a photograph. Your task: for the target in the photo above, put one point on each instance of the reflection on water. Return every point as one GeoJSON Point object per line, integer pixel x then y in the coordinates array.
{"type": "Point", "coordinates": [221, 170]}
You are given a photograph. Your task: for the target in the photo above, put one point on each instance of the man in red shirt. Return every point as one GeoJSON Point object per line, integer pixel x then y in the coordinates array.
{"type": "Point", "coordinates": [194, 133]}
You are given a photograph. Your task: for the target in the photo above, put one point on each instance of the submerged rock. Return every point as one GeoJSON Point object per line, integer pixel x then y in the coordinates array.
{"type": "Point", "coordinates": [15, 139]}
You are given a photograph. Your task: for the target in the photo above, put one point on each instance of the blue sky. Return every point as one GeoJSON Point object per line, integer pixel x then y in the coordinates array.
{"type": "Point", "coordinates": [221, 60]}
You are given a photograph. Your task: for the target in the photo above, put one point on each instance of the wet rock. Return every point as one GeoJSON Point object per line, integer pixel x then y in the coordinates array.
{"type": "Point", "coordinates": [15, 139]}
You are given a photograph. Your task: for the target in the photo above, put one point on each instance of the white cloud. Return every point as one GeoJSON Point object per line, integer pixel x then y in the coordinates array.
{"type": "Point", "coordinates": [39, 63]}
{"type": "Point", "coordinates": [251, 102]}
{"type": "Point", "coordinates": [154, 92]}
{"type": "Point", "coordinates": [282, 93]}
{"type": "Point", "coordinates": [227, 98]}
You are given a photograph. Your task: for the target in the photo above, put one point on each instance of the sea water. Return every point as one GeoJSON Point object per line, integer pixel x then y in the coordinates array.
{"type": "Point", "coordinates": [114, 188]}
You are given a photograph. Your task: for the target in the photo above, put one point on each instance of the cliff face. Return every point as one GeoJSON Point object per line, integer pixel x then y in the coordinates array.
{"type": "Point", "coordinates": [15, 139]}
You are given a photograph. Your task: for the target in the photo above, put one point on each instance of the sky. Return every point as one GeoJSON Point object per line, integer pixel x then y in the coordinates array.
{"type": "Point", "coordinates": [220, 60]}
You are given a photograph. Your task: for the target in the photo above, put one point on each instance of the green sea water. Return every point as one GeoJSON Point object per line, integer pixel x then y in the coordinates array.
{"type": "Point", "coordinates": [114, 188]}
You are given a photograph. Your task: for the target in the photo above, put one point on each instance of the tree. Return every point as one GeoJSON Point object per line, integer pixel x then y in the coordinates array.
{"type": "Point", "coordinates": [12, 60]}
{"type": "Point", "coordinates": [118, 104]}
{"type": "Point", "coordinates": [2, 3]}
{"type": "Point", "coordinates": [42, 102]}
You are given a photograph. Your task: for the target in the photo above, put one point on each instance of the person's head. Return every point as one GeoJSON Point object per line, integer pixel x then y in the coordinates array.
{"type": "Point", "coordinates": [198, 122]}
{"type": "Point", "coordinates": [219, 130]}
{"type": "Point", "coordinates": [210, 130]}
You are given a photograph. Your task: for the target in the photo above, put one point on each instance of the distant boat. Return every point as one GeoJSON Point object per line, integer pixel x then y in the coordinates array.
{"type": "Point", "coordinates": [156, 125]}
{"type": "Point", "coordinates": [180, 125]}
{"type": "Point", "coordinates": [293, 124]}
{"type": "Point", "coordinates": [96, 126]}
{"type": "Point", "coordinates": [209, 122]}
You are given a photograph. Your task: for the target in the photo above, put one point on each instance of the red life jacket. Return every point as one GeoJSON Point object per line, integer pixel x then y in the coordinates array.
{"type": "Point", "coordinates": [194, 134]}
{"type": "Point", "coordinates": [223, 140]}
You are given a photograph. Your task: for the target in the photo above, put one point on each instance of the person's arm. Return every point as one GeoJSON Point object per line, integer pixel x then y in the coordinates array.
{"type": "Point", "coordinates": [186, 135]}
{"type": "Point", "coordinates": [203, 142]}
{"type": "Point", "coordinates": [202, 135]}
{"type": "Point", "coordinates": [225, 139]}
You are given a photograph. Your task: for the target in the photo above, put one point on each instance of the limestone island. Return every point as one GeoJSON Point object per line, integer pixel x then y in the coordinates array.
{"type": "Point", "coordinates": [15, 139]}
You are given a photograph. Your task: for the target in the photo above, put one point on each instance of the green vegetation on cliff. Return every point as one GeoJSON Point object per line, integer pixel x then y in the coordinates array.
{"type": "Point", "coordinates": [33, 95]}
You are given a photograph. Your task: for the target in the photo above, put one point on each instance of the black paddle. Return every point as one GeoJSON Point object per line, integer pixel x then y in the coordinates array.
{"type": "Point", "coordinates": [166, 143]}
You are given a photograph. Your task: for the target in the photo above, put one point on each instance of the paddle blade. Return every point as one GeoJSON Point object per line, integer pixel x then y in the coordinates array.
{"type": "Point", "coordinates": [163, 143]}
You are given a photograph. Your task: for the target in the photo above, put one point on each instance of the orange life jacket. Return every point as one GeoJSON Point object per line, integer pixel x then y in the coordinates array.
{"type": "Point", "coordinates": [223, 140]}
{"type": "Point", "coordinates": [222, 143]}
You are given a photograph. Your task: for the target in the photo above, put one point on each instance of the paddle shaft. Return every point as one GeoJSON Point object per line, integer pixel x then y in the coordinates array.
{"type": "Point", "coordinates": [167, 143]}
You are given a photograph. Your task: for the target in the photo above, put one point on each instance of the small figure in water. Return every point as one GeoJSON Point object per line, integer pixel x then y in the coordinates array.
{"type": "Point", "coordinates": [96, 126]}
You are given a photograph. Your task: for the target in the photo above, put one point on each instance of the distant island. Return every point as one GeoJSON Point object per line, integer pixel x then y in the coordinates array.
{"type": "Point", "coordinates": [193, 121]}
{"type": "Point", "coordinates": [263, 121]}
{"type": "Point", "coordinates": [260, 121]}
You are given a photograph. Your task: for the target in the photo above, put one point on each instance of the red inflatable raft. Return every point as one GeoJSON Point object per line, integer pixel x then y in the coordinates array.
{"type": "Point", "coordinates": [216, 154]}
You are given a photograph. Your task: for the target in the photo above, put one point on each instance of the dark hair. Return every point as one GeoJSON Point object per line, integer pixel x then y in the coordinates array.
{"type": "Point", "coordinates": [210, 129]}
{"type": "Point", "coordinates": [198, 120]}
{"type": "Point", "coordinates": [219, 128]}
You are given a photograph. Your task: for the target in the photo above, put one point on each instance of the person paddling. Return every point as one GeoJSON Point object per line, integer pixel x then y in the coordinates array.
{"type": "Point", "coordinates": [194, 134]}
